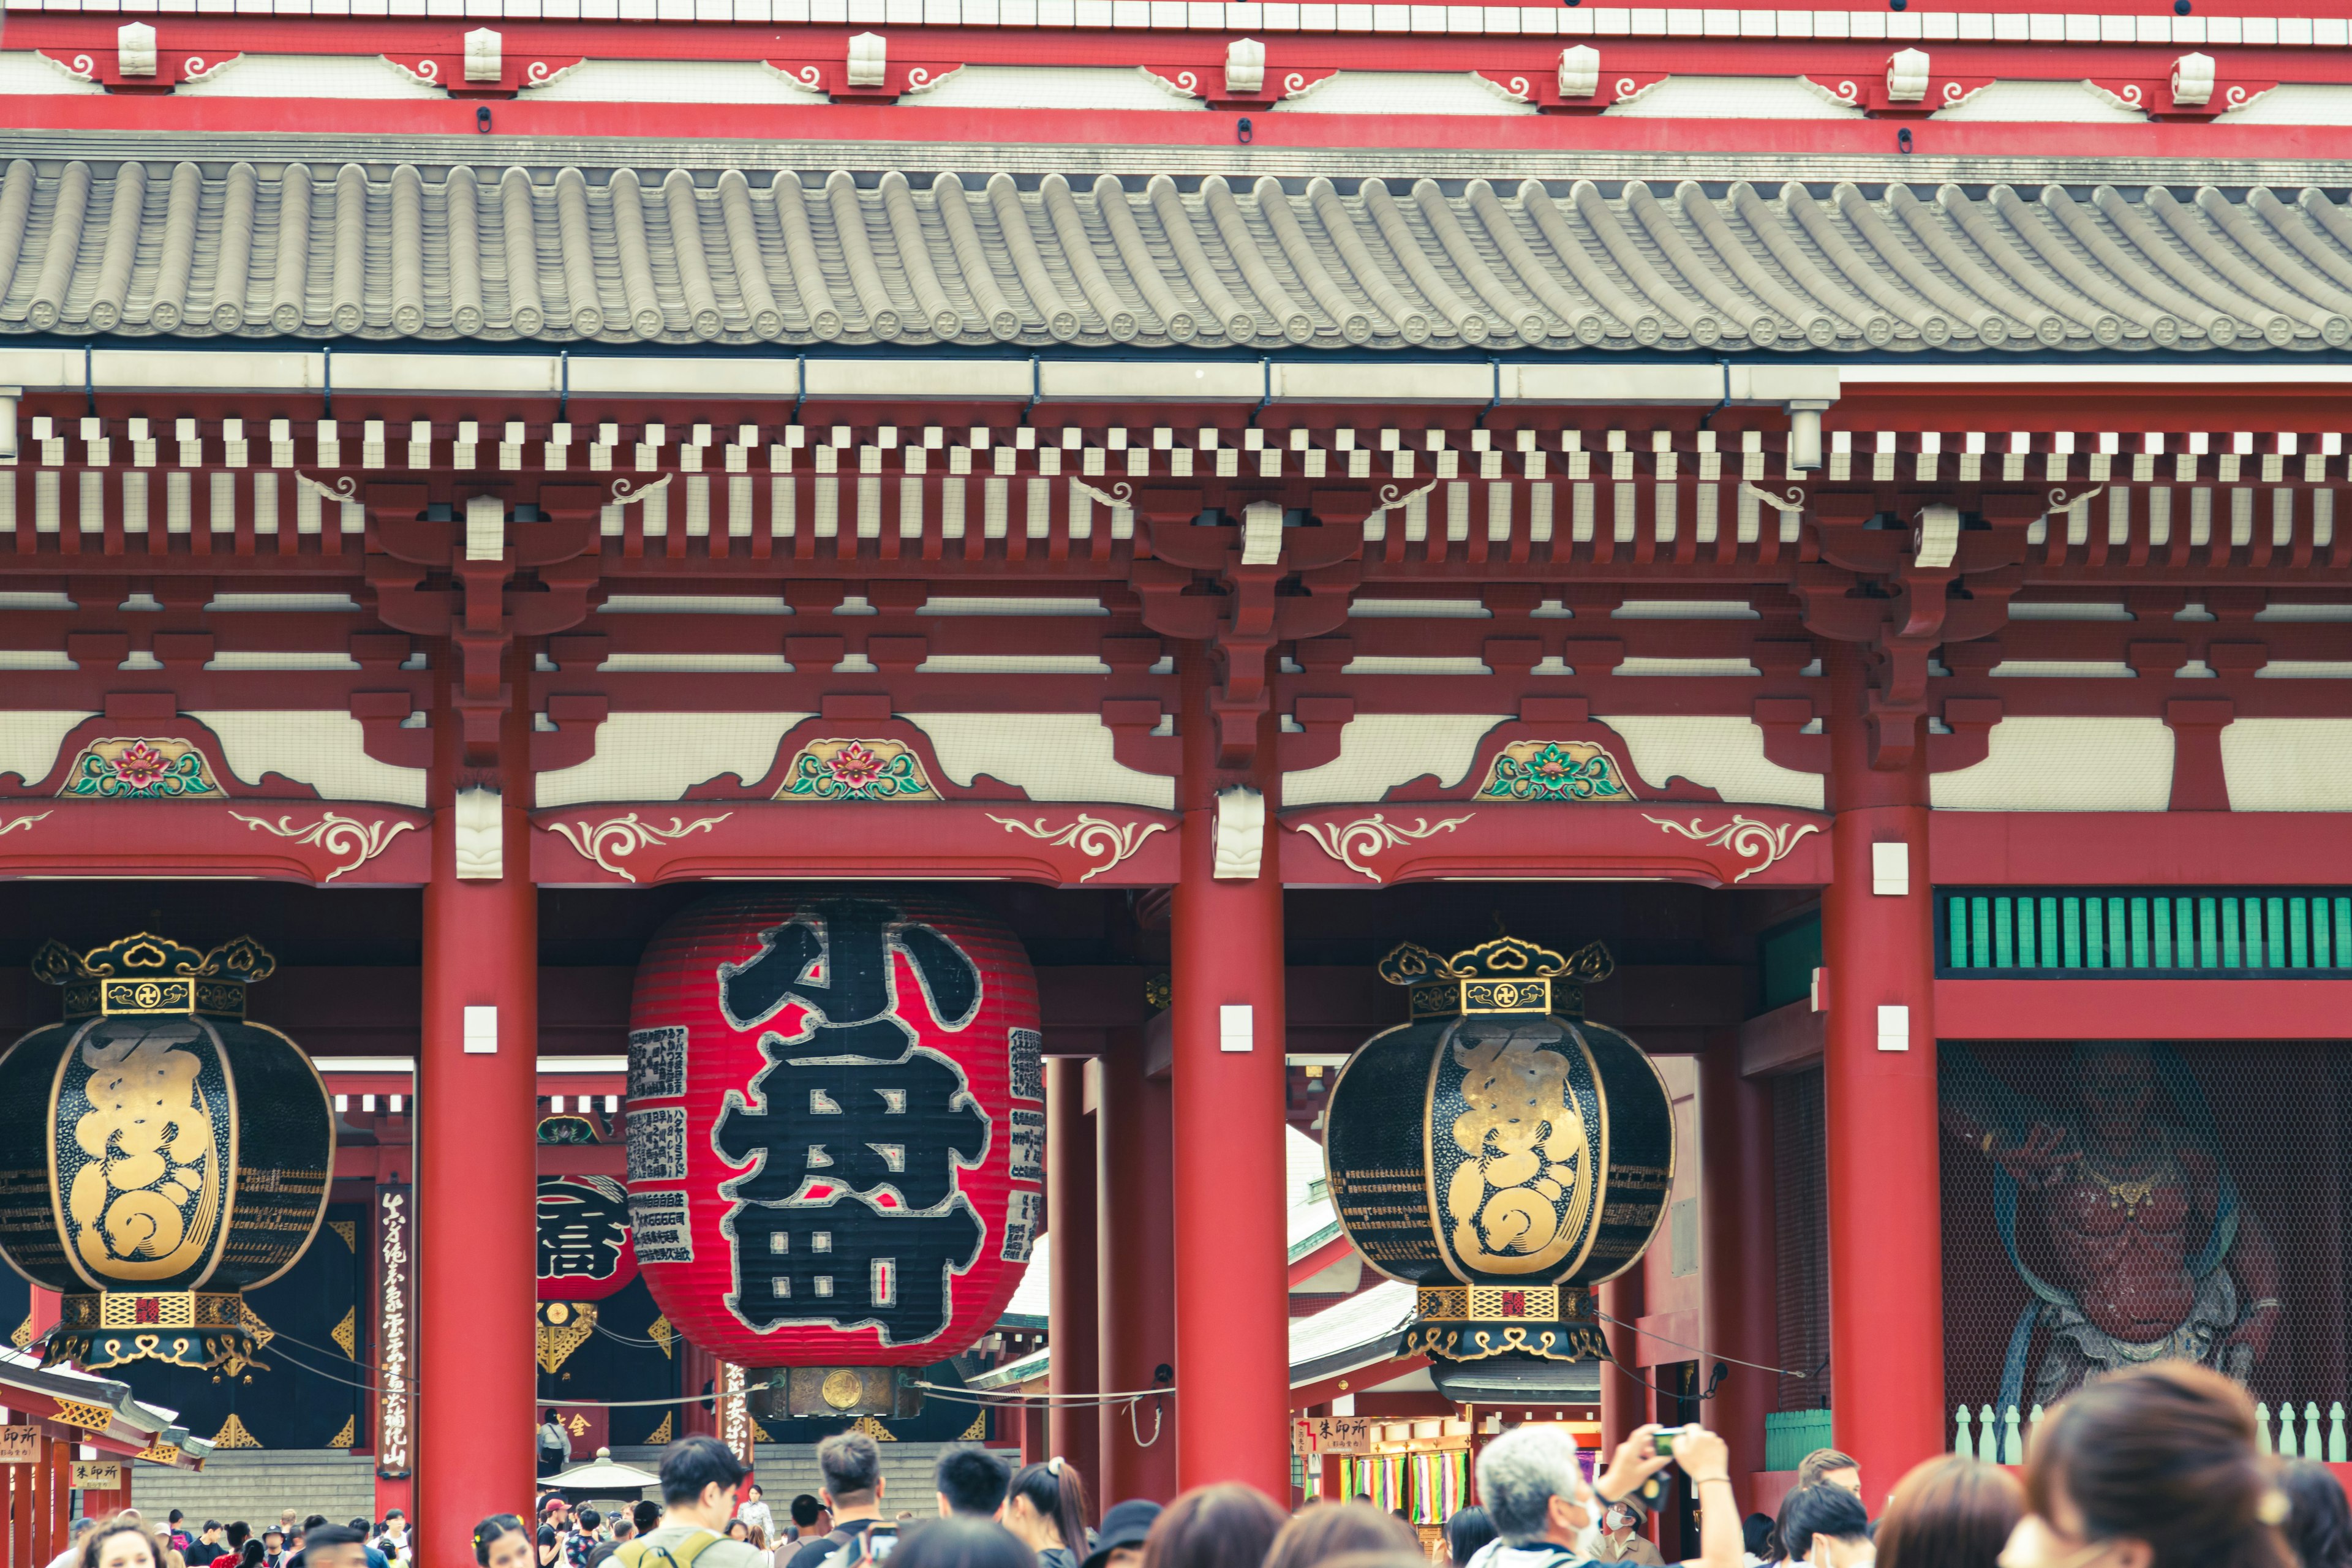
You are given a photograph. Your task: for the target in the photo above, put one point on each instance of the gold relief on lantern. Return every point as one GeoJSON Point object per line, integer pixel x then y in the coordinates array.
{"type": "Point", "coordinates": [1519, 1197]}
{"type": "Point", "coordinates": [147, 1198]}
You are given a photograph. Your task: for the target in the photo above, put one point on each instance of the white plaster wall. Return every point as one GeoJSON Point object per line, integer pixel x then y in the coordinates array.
{"type": "Point", "coordinates": [2064, 764]}
{"type": "Point", "coordinates": [660, 756]}
{"type": "Point", "coordinates": [319, 747]}
{"type": "Point", "coordinates": [30, 737]}
{"type": "Point", "coordinates": [1723, 751]}
{"type": "Point", "coordinates": [2288, 764]}
{"type": "Point", "coordinates": [1053, 756]}
{"type": "Point", "coordinates": [1382, 751]}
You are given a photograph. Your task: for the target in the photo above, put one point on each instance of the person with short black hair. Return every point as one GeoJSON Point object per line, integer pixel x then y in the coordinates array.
{"type": "Point", "coordinates": [808, 1518]}
{"type": "Point", "coordinates": [851, 1464]}
{"type": "Point", "coordinates": [232, 1545]}
{"type": "Point", "coordinates": [699, 1479]}
{"type": "Point", "coordinates": [1467, 1531]}
{"type": "Point", "coordinates": [970, 1481]}
{"type": "Point", "coordinates": [1826, 1526]}
{"type": "Point", "coordinates": [625, 1530]}
{"type": "Point", "coordinates": [960, 1541]}
{"type": "Point", "coordinates": [645, 1516]}
{"type": "Point", "coordinates": [328, 1545]}
{"type": "Point", "coordinates": [754, 1513]}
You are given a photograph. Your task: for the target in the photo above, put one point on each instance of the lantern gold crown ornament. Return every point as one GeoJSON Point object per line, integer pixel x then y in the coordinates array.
{"type": "Point", "coordinates": [1501, 1154]}
{"type": "Point", "coordinates": [161, 1153]}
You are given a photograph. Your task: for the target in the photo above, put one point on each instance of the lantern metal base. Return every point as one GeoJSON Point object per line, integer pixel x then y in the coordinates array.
{"type": "Point", "coordinates": [1513, 1379]}
{"type": "Point", "coordinates": [202, 1330]}
{"type": "Point", "coordinates": [1495, 1342]}
{"type": "Point", "coordinates": [788, 1392]}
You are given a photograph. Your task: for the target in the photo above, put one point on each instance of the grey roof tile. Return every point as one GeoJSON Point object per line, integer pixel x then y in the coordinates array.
{"type": "Point", "coordinates": [619, 254]}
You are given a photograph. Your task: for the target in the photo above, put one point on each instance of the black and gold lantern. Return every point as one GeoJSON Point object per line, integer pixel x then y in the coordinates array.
{"type": "Point", "coordinates": [1501, 1153]}
{"type": "Point", "coordinates": [163, 1154]}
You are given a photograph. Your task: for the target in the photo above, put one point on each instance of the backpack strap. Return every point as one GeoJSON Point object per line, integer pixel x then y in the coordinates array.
{"type": "Point", "coordinates": [691, 1548]}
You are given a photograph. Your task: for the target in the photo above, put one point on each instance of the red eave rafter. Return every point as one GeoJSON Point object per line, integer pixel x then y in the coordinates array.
{"type": "Point", "coordinates": [516, 122]}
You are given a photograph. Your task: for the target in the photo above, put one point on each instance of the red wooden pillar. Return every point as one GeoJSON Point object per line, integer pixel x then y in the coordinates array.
{"type": "Point", "coordinates": [1233, 1303]}
{"type": "Point", "coordinates": [698, 1369]}
{"type": "Point", "coordinates": [1735, 1222]}
{"type": "Point", "coordinates": [48, 1529]}
{"type": "Point", "coordinates": [1072, 1431]}
{"type": "Point", "coordinates": [1625, 1401]}
{"type": "Point", "coordinates": [1135, 1254]}
{"type": "Point", "coordinates": [1886, 1297]}
{"type": "Point", "coordinates": [475, 1150]}
{"type": "Point", "coordinates": [20, 1516]}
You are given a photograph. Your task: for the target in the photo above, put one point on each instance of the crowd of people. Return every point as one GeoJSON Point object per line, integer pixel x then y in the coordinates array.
{"type": "Point", "coordinates": [2160, 1467]}
{"type": "Point", "coordinates": [126, 1540]}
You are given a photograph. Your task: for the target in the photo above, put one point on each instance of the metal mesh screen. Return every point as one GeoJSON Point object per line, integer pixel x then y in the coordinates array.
{"type": "Point", "coordinates": [2109, 1203]}
{"type": "Point", "coordinates": [1801, 1219]}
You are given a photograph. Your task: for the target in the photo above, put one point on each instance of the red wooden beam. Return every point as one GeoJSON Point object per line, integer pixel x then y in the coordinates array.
{"type": "Point", "coordinates": [1303, 1269]}
{"type": "Point", "coordinates": [2121, 849]}
{"type": "Point", "coordinates": [1306, 1395]}
{"type": "Point", "coordinates": [2143, 1009]}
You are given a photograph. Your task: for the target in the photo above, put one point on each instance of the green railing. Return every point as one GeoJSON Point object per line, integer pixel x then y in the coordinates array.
{"type": "Point", "coordinates": [1791, 1434]}
{"type": "Point", "coordinates": [2203, 933]}
{"type": "Point", "coordinates": [2001, 1437]}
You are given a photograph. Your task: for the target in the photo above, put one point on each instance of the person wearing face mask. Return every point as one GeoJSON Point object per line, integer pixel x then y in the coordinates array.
{"type": "Point", "coordinates": [2153, 1467]}
{"type": "Point", "coordinates": [1546, 1515]}
{"type": "Point", "coordinates": [1827, 1527]}
{"type": "Point", "coordinates": [1619, 1543]}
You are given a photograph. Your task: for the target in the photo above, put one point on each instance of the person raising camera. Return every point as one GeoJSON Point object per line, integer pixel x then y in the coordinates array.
{"type": "Point", "coordinates": [1546, 1514]}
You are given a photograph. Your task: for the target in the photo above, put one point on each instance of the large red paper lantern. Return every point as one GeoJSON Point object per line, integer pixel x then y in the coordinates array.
{"type": "Point", "coordinates": [836, 1136]}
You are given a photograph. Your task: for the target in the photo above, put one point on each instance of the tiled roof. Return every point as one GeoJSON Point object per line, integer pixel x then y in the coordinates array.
{"type": "Point", "coordinates": [619, 255]}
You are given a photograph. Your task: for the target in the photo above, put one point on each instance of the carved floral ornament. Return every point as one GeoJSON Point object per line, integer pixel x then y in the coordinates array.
{"type": "Point", "coordinates": [872, 769]}
{"type": "Point", "coordinates": [1553, 771]}
{"type": "Point", "coordinates": [141, 768]}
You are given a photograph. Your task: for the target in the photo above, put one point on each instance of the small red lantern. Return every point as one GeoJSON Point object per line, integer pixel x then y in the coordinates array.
{"type": "Point", "coordinates": [583, 1238]}
{"type": "Point", "coordinates": [837, 1137]}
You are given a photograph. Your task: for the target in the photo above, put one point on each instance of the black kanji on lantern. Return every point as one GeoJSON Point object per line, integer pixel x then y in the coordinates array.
{"type": "Point", "coordinates": [848, 1264]}
{"type": "Point", "coordinates": [862, 1125]}
{"type": "Point", "coordinates": [583, 1224]}
{"type": "Point", "coordinates": [834, 959]}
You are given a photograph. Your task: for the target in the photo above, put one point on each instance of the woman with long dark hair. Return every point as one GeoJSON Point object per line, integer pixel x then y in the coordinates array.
{"type": "Point", "coordinates": [1045, 1506]}
{"type": "Point", "coordinates": [1227, 1525]}
{"type": "Point", "coordinates": [1322, 1530]}
{"type": "Point", "coordinates": [124, 1543]}
{"type": "Point", "coordinates": [503, 1540]}
{"type": "Point", "coordinates": [2153, 1467]}
{"type": "Point", "coordinates": [2318, 1520]}
{"type": "Point", "coordinates": [1949, 1513]}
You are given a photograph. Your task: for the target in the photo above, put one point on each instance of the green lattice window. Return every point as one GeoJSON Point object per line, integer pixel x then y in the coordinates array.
{"type": "Point", "coordinates": [2205, 933]}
